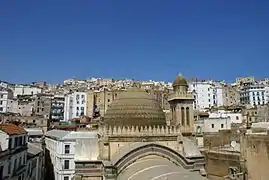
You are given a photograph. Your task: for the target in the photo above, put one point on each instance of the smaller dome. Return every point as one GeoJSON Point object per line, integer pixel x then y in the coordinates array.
{"type": "Point", "coordinates": [180, 81]}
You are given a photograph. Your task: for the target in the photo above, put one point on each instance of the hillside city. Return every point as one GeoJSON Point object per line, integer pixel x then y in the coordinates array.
{"type": "Point", "coordinates": [54, 131]}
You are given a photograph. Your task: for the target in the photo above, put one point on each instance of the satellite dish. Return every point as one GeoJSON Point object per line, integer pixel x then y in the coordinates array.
{"type": "Point", "coordinates": [233, 144]}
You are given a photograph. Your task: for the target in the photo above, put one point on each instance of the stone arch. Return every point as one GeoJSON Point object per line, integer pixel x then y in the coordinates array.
{"type": "Point", "coordinates": [144, 150]}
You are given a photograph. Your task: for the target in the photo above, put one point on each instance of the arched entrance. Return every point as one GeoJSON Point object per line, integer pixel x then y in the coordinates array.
{"type": "Point", "coordinates": [148, 149]}
{"type": "Point", "coordinates": [156, 162]}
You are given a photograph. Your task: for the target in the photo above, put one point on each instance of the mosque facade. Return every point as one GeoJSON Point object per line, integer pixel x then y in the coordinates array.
{"type": "Point", "coordinates": [136, 141]}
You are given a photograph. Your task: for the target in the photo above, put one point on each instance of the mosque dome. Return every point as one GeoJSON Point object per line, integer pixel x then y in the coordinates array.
{"type": "Point", "coordinates": [180, 81]}
{"type": "Point", "coordinates": [134, 107]}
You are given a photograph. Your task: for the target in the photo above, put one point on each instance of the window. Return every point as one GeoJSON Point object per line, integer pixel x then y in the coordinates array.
{"type": "Point", "coordinates": [222, 125]}
{"type": "Point", "coordinates": [182, 116]}
{"type": "Point", "coordinates": [1, 95]}
{"type": "Point", "coordinates": [66, 178]}
{"type": "Point", "coordinates": [1, 102]}
{"type": "Point", "coordinates": [77, 108]}
{"type": "Point", "coordinates": [10, 143]}
{"type": "Point", "coordinates": [16, 142]}
{"type": "Point", "coordinates": [9, 167]}
{"type": "Point", "coordinates": [66, 164]}
{"type": "Point", "coordinates": [15, 165]}
{"type": "Point", "coordinates": [67, 149]}
{"type": "Point", "coordinates": [1, 108]}
{"type": "Point", "coordinates": [212, 125]}
{"type": "Point", "coordinates": [237, 118]}
{"type": "Point", "coordinates": [108, 100]}
{"type": "Point", "coordinates": [20, 140]}
{"type": "Point", "coordinates": [188, 115]}
{"type": "Point", "coordinates": [1, 171]}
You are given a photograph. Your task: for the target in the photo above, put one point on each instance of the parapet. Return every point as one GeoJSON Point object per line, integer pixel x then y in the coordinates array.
{"type": "Point", "coordinates": [140, 131]}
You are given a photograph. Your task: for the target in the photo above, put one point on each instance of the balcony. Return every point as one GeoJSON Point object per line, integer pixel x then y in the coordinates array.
{"type": "Point", "coordinates": [180, 96]}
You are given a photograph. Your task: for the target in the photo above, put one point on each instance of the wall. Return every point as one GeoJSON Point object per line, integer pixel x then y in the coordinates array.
{"type": "Point", "coordinates": [224, 137]}
{"type": "Point", "coordinates": [86, 149]}
{"type": "Point", "coordinates": [218, 163]}
{"type": "Point", "coordinates": [116, 148]}
{"type": "Point", "coordinates": [3, 141]}
{"type": "Point", "coordinates": [256, 153]}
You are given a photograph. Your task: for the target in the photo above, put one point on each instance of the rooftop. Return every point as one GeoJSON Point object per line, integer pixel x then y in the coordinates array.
{"type": "Point", "coordinates": [12, 129]}
{"type": "Point", "coordinates": [62, 135]}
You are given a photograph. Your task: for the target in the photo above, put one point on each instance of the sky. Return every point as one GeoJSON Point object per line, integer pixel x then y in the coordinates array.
{"type": "Point", "coordinates": [139, 39]}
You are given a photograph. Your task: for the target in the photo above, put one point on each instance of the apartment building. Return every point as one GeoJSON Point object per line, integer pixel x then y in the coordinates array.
{"type": "Point", "coordinates": [66, 147]}
{"type": "Point", "coordinates": [35, 166]}
{"type": "Point", "coordinates": [42, 105]}
{"type": "Point", "coordinates": [205, 94]}
{"type": "Point", "coordinates": [230, 95]}
{"type": "Point", "coordinates": [26, 90]}
{"type": "Point", "coordinates": [5, 95]}
{"type": "Point", "coordinates": [254, 94]}
{"type": "Point", "coordinates": [212, 125]}
{"type": "Point", "coordinates": [57, 108]}
{"type": "Point", "coordinates": [75, 105]}
{"type": "Point", "coordinates": [13, 152]}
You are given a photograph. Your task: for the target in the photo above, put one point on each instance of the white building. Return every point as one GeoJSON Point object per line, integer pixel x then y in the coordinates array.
{"type": "Point", "coordinates": [26, 90]}
{"type": "Point", "coordinates": [205, 94]}
{"type": "Point", "coordinates": [254, 94]}
{"type": "Point", "coordinates": [236, 117]}
{"type": "Point", "coordinates": [13, 152]}
{"type": "Point", "coordinates": [5, 95]}
{"type": "Point", "coordinates": [212, 125]}
{"type": "Point", "coordinates": [75, 105]}
{"type": "Point", "coordinates": [35, 169]}
{"type": "Point", "coordinates": [219, 96]}
{"type": "Point", "coordinates": [66, 147]}
{"type": "Point", "coordinates": [4, 84]}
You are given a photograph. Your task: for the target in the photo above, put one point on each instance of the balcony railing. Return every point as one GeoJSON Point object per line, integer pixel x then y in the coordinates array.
{"type": "Point", "coordinates": [178, 95]}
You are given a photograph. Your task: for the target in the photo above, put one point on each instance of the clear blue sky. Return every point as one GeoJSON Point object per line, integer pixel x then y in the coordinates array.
{"type": "Point", "coordinates": [54, 40]}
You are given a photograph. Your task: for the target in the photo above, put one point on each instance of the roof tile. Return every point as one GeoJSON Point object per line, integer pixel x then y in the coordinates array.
{"type": "Point", "coordinates": [12, 129]}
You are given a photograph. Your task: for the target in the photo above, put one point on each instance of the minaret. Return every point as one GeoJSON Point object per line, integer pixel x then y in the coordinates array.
{"type": "Point", "coordinates": [181, 104]}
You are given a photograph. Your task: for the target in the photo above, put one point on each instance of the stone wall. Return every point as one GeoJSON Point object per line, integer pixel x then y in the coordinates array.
{"type": "Point", "coordinates": [223, 137]}
{"type": "Point", "coordinates": [256, 154]}
{"type": "Point", "coordinates": [218, 163]}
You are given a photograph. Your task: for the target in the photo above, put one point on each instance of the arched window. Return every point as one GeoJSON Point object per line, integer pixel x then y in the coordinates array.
{"type": "Point", "coordinates": [188, 115]}
{"type": "Point", "coordinates": [182, 116]}
{"type": "Point", "coordinates": [174, 114]}
{"type": "Point", "coordinates": [198, 130]}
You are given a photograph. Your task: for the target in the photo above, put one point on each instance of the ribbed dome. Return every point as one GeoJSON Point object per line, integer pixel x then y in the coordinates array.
{"type": "Point", "coordinates": [180, 81]}
{"type": "Point", "coordinates": [134, 107]}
